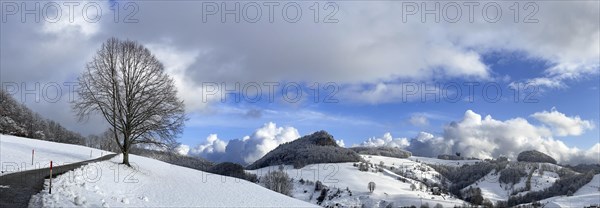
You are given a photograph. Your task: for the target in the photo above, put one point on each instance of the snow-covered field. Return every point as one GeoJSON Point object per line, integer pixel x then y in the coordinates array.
{"type": "Point", "coordinates": [420, 170]}
{"type": "Point", "coordinates": [342, 175]}
{"type": "Point", "coordinates": [151, 183]}
{"type": "Point", "coordinates": [15, 153]}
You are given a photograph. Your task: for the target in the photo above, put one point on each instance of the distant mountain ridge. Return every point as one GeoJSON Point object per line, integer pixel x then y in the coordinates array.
{"type": "Point", "coordinates": [319, 147]}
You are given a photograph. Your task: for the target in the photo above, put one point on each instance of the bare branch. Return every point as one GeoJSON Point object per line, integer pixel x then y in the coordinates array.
{"type": "Point", "coordinates": [128, 86]}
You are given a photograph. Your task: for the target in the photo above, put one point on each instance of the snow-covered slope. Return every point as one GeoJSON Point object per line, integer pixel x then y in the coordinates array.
{"type": "Point", "coordinates": [419, 170]}
{"type": "Point", "coordinates": [150, 183]}
{"type": "Point", "coordinates": [435, 161]}
{"type": "Point", "coordinates": [15, 153]}
{"type": "Point", "coordinates": [345, 175]}
{"type": "Point", "coordinates": [587, 195]}
{"type": "Point", "coordinates": [353, 191]}
{"type": "Point", "coordinates": [494, 190]}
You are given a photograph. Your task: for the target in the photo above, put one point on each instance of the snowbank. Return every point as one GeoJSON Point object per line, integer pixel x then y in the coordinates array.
{"type": "Point", "coordinates": [15, 153]}
{"type": "Point", "coordinates": [152, 183]}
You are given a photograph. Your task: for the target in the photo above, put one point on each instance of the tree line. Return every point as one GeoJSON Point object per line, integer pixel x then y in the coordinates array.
{"type": "Point", "coordinates": [18, 120]}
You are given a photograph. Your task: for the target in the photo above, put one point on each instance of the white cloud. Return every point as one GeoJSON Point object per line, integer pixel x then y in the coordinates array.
{"type": "Point", "coordinates": [547, 82]}
{"type": "Point", "coordinates": [426, 144]}
{"type": "Point", "coordinates": [485, 137]}
{"type": "Point", "coordinates": [340, 143]}
{"type": "Point", "coordinates": [183, 149]}
{"type": "Point", "coordinates": [567, 57]}
{"type": "Point", "coordinates": [59, 22]}
{"type": "Point", "coordinates": [563, 125]}
{"type": "Point", "coordinates": [266, 139]}
{"type": "Point", "coordinates": [556, 77]}
{"type": "Point", "coordinates": [593, 152]}
{"type": "Point", "coordinates": [386, 141]}
{"type": "Point", "coordinates": [418, 120]}
{"type": "Point", "coordinates": [249, 148]}
{"type": "Point", "coordinates": [212, 145]}
{"type": "Point", "coordinates": [370, 45]}
{"type": "Point", "coordinates": [176, 61]}
{"type": "Point", "coordinates": [382, 92]}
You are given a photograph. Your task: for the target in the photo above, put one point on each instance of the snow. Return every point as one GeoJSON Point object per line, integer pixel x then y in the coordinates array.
{"type": "Point", "coordinates": [541, 181]}
{"type": "Point", "coordinates": [593, 187]}
{"type": "Point", "coordinates": [492, 189]}
{"type": "Point", "coordinates": [152, 183]}
{"type": "Point", "coordinates": [587, 195]}
{"type": "Point", "coordinates": [342, 175]}
{"type": "Point", "coordinates": [435, 161]}
{"type": "Point", "coordinates": [408, 165]}
{"type": "Point", "coordinates": [15, 153]}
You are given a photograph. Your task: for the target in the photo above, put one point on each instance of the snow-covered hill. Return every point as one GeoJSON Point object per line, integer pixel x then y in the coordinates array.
{"type": "Point", "coordinates": [15, 153]}
{"type": "Point", "coordinates": [345, 176]}
{"type": "Point", "coordinates": [587, 195]}
{"type": "Point", "coordinates": [537, 178]}
{"type": "Point", "coordinates": [319, 147]}
{"type": "Point", "coordinates": [150, 183]}
{"type": "Point", "coordinates": [542, 176]}
{"type": "Point", "coordinates": [395, 177]}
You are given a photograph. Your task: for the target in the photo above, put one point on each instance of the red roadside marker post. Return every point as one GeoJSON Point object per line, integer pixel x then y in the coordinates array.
{"type": "Point", "coordinates": [50, 189]}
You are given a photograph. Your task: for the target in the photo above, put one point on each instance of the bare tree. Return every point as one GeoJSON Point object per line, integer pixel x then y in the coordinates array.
{"type": "Point", "coordinates": [371, 186]}
{"type": "Point", "coordinates": [128, 86]}
{"type": "Point", "coordinates": [103, 141]}
{"type": "Point", "coordinates": [278, 181]}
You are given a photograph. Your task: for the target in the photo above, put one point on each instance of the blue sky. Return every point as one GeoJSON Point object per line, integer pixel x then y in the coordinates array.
{"type": "Point", "coordinates": [372, 52]}
{"type": "Point", "coordinates": [359, 121]}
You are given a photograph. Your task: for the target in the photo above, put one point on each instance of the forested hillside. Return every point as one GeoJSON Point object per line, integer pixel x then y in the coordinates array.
{"type": "Point", "coordinates": [18, 120]}
{"type": "Point", "coordinates": [383, 151]}
{"type": "Point", "coordinates": [319, 147]}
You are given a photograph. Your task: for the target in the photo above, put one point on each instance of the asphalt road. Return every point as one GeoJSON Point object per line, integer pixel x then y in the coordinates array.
{"type": "Point", "coordinates": [23, 185]}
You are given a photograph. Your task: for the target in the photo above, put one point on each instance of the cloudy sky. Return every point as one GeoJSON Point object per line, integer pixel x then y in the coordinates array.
{"type": "Point", "coordinates": [486, 79]}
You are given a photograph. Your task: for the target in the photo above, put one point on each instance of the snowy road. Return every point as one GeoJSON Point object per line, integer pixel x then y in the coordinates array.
{"type": "Point", "coordinates": [17, 188]}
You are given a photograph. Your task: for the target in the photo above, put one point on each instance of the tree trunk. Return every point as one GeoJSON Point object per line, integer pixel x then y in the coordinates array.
{"type": "Point", "coordinates": [126, 145]}
{"type": "Point", "coordinates": [126, 158]}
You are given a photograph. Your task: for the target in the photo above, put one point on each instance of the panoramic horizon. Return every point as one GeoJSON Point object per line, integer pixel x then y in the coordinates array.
{"type": "Point", "coordinates": [242, 81]}
{"type": "Point", "coordinates": [239, 72]}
